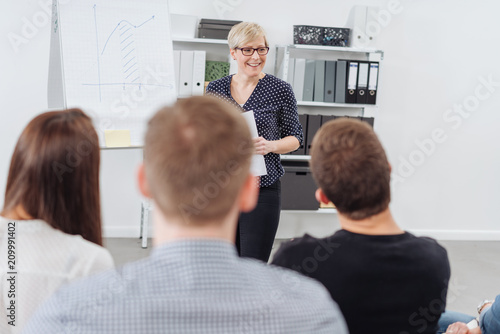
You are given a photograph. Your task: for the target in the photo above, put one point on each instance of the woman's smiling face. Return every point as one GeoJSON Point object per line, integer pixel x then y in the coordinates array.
{"type": "Point", "coordinates": [250, 65]}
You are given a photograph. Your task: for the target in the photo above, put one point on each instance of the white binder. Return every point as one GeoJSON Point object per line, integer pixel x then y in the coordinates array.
{"type": "Point", "coordinates": [364, 25]}
{"type": "Point", "coordinates": [357, 23]}
{"type": "Point", "coordinates": [186, 73]}
{"type": "Point", "coordinates": [198, 72]}
{"type": "Point", "coordinates": [372, 27]}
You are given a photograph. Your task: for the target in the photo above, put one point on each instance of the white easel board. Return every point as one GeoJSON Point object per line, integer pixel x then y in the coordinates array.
{"type": "Point", "coordinates": [114, 60]}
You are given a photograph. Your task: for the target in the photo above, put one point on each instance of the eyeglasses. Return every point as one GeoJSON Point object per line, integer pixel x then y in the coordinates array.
{"type": "Point", "coordinates": [250, 51]}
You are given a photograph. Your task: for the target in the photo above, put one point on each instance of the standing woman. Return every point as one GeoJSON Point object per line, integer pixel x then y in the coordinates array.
{"type": "Point", "coordinates": [51, 221]}
{"type": "Point", "coordinates": [275, 109]}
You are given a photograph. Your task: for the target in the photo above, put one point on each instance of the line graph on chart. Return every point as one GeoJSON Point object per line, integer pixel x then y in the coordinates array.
{"type": "Point", "coordinates": [116, 61]}
{"type": "Point", "coordinates": [120, 55]}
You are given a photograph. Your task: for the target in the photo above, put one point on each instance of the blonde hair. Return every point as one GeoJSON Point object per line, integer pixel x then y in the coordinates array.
{"type": "Point", "coordinates": [197, 156]}
{"type": "Point", "coordinates": [245, 32]}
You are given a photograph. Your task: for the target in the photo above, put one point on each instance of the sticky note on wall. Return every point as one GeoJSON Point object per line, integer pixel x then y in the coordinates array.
{"type": "Point", "coordinates": [117, 138]}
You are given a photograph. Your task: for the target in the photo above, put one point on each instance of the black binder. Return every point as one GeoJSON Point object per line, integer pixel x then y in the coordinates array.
{"type": "Point", "coordinates": [325, 119]}
{"type": "Point", "coordinates": [313, 125]}
{"type": "Point", "coordinates": [371, 97]}
{"type": "Point", "coordinates": [302, 149]}
{"type": "Point", "coordinates": [352, 81]}
{"type": "Point", "coordinates": [369, 120]}
{"type": "Point", "coordinates": [362, 86]}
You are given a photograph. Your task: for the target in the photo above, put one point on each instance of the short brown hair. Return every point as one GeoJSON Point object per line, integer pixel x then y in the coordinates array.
{"type": "Point", "coordinates": [197, 155]}
{"type": "Point", "coordinates": [245, 32]}
{"type": "Point", "coordinates": [54, 173]}
{"type": "Point", "coordinates": [349, 164]}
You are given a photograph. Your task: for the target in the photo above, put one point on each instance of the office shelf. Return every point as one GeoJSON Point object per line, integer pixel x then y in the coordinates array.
{"type": "Point", "coordinates": [283, 55]}
{"type": "Point", "coordinates": [331, 49]}
{"type": "Point", "coordinates": [200, 40]}
{"type": "Point", "coordinates": [291, 157]}
{"type": "Point", "coordinates": [334, 105]}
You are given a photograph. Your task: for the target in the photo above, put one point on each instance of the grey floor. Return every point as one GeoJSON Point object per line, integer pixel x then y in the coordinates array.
{"type": "Point", "coordinates": [475, 268]}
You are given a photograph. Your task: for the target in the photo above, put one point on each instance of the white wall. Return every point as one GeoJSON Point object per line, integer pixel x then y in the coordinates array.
{"type": "Point", "coordinates": [436, 56]}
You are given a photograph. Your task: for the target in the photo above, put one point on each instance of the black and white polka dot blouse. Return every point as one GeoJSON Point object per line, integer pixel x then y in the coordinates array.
{"type": "Point", "coordinates": [275, 110]}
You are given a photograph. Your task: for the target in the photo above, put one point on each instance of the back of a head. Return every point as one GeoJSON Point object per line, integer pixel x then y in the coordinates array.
{"type": "Point", "coordinates": [54, 173]}
{"type": "Point", "coordinates": [197, 156]}
{"type": "Point", "coordinates": [349, 164]}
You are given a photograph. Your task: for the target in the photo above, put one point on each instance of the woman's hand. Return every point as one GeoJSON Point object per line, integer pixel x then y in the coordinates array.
{"type": "Point", "coordinates": [282, 146]}
{"type": "Point", "coordinates": [263, 146]}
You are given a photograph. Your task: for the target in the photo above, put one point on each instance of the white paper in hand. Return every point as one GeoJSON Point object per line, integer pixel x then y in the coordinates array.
{"type": "Point", "coordinates": [258, 166]}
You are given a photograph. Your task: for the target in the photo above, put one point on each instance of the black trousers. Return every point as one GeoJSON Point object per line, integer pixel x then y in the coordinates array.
{"type": "Point", "coordinates": [257, 228]}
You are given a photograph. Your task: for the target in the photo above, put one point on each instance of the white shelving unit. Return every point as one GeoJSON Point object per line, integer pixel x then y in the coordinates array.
{"type": "Point", "coordinates": [333, 105]}
{"type": "Point", "coordinates": [200, 40]}
{"type": "Point", "coordinates": [330, 48]}
{"type": "Point", "coordinates": [323, 221]}
{"type": "Point", "coordinates": [285, 52]}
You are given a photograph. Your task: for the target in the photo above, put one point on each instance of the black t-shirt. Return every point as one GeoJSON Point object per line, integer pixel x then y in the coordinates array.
{"type": "Point", "coordinates": [387, 284]}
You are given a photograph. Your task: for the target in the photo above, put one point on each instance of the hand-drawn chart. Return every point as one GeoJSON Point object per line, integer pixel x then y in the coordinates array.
{"type": "Point", "coordinates": [117, 61]}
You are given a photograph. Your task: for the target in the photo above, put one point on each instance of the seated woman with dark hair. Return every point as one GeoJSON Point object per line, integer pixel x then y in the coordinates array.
{"type": "Point", "coordinates": [50, 226]}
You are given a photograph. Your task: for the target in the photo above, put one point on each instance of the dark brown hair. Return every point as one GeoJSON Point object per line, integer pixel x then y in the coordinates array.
{"type": "Point", "coordinates": [349, 164]}
{"type": "Point", "coordinates": [197, 155]}
{"type": "Point", "coordinates": [54, 173]}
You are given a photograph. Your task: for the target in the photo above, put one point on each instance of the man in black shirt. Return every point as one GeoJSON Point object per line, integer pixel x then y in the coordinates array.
{"type": "Point", "coordinates": [384, 279]}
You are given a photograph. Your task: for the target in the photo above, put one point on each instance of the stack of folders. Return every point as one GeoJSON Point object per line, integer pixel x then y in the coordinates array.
{"type": "Point", "coordinates": [189, 72]}
{"type": "Point", "coordinates": [334, 81]}
{"type": "Point", "coordinates": [312, 123]}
